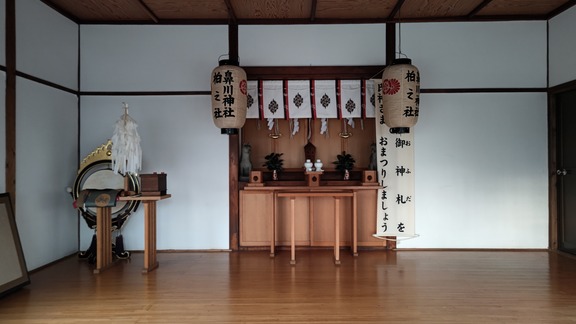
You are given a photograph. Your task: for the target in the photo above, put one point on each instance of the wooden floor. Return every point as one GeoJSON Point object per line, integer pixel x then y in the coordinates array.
{"type": "Point", "coordinates": [249, 287]}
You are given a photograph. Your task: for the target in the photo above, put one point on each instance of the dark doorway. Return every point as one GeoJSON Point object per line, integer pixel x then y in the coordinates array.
{"type": "Point", "coordinates": [566, 170]}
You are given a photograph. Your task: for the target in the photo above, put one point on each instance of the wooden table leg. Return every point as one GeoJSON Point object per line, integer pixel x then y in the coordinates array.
{"type": "Point", "coordinates": [292, 236]}
{"type": "Point", "coordinates": [273, 226]}
{"type": "Point", "coordinates": [103, 238]}
{"type": "Point", "coordinates": [337, 230]}
{"type": "Point", "coordinates": [354, 225]}
{"type": "Point", "coordinates": [108, 234]}
{"type": "Point", "coordinates": [150, 262]}
{"type": "Point", "coordinates": [311, 222]}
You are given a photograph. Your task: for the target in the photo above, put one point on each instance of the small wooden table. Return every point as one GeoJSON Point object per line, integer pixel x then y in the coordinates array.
{"type": "Point", "coordinates": [337, 195]}
{"type": "Point", "coordinates": [104, 233]}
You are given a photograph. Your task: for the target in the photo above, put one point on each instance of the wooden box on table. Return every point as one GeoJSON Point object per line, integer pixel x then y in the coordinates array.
{"type": "Point", "coordinates": [153, 184]}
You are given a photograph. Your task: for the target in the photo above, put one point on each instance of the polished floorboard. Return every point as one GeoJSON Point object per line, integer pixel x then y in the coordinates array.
{"type": "Point", "coordinates": [249, 287]}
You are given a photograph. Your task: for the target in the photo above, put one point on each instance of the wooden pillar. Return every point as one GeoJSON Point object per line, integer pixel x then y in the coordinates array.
{"type": "Point", "coordinates": [234, 199]}
{"type": "Point", "coordinates": [390, 56]}
{"type": "Point", "coordinates": [390, 42]}
{"type": "Point", "coordinates": [10, 171]}
{"type": "Point", "coordinates": [233, 151]}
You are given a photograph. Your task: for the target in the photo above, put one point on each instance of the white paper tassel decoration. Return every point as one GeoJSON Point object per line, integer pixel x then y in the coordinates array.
{"type": "Point", "coordinates": [324, 126]}
{"type": "Point", "coordinates": [295, 127]}
{"type": "Point", "coordinates": [126, 152]}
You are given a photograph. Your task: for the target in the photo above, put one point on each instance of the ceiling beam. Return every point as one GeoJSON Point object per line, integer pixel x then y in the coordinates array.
{"type": "Point", "coordinates": [231, 13]}
{"type": "Point", "coordinates": [61, 11]}
{"type": "Point", "coordinates": [478, 8]}
{"type": "Point", "coordinates": [148, 11]}
{"type": "Point", "coordinates": [312, 72]}
{"type": "Point", "coordinates": [569, 4]}
{"type": "Point", "coordinates": [313, 10]}
{"type": "Point", "coordinates": [395, 10]}
{"type": "Point", "coordinates": [306, 21]}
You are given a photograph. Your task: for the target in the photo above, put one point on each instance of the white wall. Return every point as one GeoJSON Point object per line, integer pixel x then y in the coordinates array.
{"type": "Point", "coordinates": [194, 154]}
{"type": "Point", "coordinates": [177, 132]}
{"type": "Point", "coordinates": [481, 159]}
{"type": "Point", "coordinates": [46, 133]}
{"type": "Point", "coordinates": [46, 160]}
{"type": "Point", "coordinates": [150, 58]}
{"type": "Point", "coordinates": [312, 45]}
{"type": "Point", "coordinates": [509, 207]}
{"type": "Point", "coordinates": [477, 55]}
{"type": "Point", "coordinates": [562, 46]}
{"type": "Point", "coordinates": [179, 138]}
{"type": "Point", "coordinates": [481, 171]}
{"type": "Point", "coordinates": [47, 44]}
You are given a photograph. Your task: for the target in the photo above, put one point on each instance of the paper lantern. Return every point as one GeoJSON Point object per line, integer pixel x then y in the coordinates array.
{"type": "Point", "coordinates": [401, 95]}
{"type": "Point", "coordinates": [229, 88]}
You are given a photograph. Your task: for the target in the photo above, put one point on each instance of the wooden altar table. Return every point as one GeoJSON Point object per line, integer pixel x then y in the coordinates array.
{"type": "Point", "coordinates": [337, 194]}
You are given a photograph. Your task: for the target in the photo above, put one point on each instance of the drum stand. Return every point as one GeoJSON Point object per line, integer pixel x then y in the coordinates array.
{"type": "Point", "coordinates": [118, 250]}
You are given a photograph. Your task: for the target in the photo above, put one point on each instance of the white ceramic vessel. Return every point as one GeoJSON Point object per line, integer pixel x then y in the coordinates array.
{"type": "Point", "coordinates": [318, 165]}
{"type": "Point", "coordinates": [308, 165]}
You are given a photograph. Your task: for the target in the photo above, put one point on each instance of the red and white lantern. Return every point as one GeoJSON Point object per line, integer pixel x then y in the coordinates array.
{"type": "Point", "coordinates": [229, 89]}
{"type": "Point", "coordinates": [401, 95]}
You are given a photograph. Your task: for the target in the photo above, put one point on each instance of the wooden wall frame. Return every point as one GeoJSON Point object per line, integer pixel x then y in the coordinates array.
{"type": "Point", "coordinates": [289, 73]}
{"type": "Point", "coordinates": [13, 271]}
{"type": "Point", "coordinates": [286, 73]}
{"type": "Point", "coordinates": [313, 72]}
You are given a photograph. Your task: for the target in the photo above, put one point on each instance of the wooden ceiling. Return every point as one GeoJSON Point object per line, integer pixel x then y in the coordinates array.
{"type": "Point", "coordinates": [252, 12]}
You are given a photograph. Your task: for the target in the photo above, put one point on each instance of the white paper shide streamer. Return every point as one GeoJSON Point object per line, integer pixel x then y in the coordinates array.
{"type": "Point", "coordinates": [325, 102]}
{"type": "Point", "coordinates": [299, 105]}
{"type": "Point", "coordinates": [126, 151]}
{"type": "Point", "coordinates": [253, 101]}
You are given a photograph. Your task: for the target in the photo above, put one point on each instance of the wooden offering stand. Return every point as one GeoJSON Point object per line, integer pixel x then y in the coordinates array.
{"type": "Point", "coordinates": [309, 208]}
{"type": "Point", "coordinates": [313, 178]}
